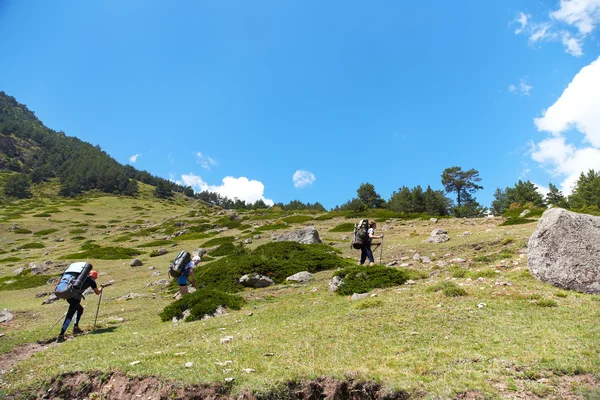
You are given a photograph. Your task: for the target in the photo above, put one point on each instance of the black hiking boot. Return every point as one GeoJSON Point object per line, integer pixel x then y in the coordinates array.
{"type": "Point", "coordinates": [77, 330]}
{"type": "Point", "coordinates": [60, 339]}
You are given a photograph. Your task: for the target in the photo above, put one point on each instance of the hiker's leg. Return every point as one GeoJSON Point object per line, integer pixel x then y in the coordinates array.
{"type": "Point", "coordinates": [363, 255]}
{"type": "Point", "coordinates": [182, 280]}
{"type": "Point", "coordinates": [78, 315]}
{"type": "Point", "coordinates": [73, 303]}
{"type": "Point", "coordinates": [370, 255]}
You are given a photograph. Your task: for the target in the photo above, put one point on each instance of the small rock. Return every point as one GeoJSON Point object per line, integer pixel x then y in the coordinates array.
{"type": "Point", "coordinates": [229, 380]}
{"type": "Point", "coordinates": [358, 296]}
{"type": "Point", "coordinates": [135, 263]}
{"type": "Point", "coordinates": [226, 339]}
{"type": "Point", "coordinates": [152, 268]}
{"type": "Point", "coordinates": [180, 354]}
{"type": "Point", "coordinates": [410, 282]}
{"type": "Point", "coordinates": [134, 362]}
{"type": "Point", "coordinates": [5, 316]}
{"type": "Point", "coordinates": [248, 370]}
{"type": "Point", "coordinates": [51, 299]}
{"type": "Point", "coordinates": [481, 305]}
{"type": "Point", "coordinates": [189, 364]}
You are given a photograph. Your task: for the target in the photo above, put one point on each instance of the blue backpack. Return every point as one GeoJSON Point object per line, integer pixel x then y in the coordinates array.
{"type": "Point", "coordinates": [71, 282]}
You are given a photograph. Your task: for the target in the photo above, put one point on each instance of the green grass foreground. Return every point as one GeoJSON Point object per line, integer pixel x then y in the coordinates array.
{"type": "Point", "coordinates": [483, 324]}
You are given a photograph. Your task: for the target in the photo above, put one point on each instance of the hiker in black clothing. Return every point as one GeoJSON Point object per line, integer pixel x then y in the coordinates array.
{"type": "Point", "coordinates": [75, 307]}
{"type": "Point", "coordinates": [365, 250]}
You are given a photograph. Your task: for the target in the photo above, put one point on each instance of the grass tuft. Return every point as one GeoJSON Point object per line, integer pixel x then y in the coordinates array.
{"type": "Point", "coordinates": [450, 289]}
{"type": "Point", "coordinates": [200, 303]}
{"type": "Point", "coordinates": [363, 279]}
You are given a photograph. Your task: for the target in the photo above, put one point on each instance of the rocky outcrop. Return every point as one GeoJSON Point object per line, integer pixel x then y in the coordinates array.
{"type": "Point", "coordinates": [306, 236]}
{"type": "Point", "coordinates": [564, 250]}
{"type": "Point", "coordinates": [438, 235]}
{"type": "Point", "coordinates": [256, 281]}
{"type": "Point", "coordinates": [303, 276]}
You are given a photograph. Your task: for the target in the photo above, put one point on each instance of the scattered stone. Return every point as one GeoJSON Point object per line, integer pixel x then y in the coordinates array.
{"type": "Point", "coordinates": [438, 235]}
{"type": "Point", "coordinates": [152, 268]}
{"type": "Point", "coordinates": [109, 283]}
{"type": "Point", "coordinates": [524, 213]}
{"type": "Point", "coordinates": [224, 363]}
{"type": "Point", "coordinates": [307, 235]}
{"type": "Point", "coordinates": [457, 260]}
{"type": "Point", "coordinates": [135, 263]}
{"type": "Point", "coordinates": [160, 282]}
{"type": "Point", "coordinates": [5, 316]}
{"type": "Point", "coordinates": [19, 270]}
{"type": "Point", "coordinates": [226, 339]}
{"type": "Point", "coordinates": [467, 233]}
{"type": "Point", "coordinates": [130, 296]}
{"type": "Point", "coordinates": [358, 296]}
{"type": "Point", "coordinates": [51, 299]}
{"type": "Point", "coordinates": [250, 314]}
{"type": "Point", "coordinates": [334, 283]}
{"type": "Point", "coordinates": [564, 250]}
{"type": "Point", "coordinates": [255, 280]}
{"type": "Point", "coordinates": [247, 241]}
{"type": "Point", "coordinates": [180, 353]}
{"type": "Point", "coordinates": [410, 282]}
{"type": "Point", "coordinates": [189, 364]}
{"type": "Point", "coordinates": [155, 273]}
{"type": "Point", "coordinates": [162, 251]}
{"type": "Point", "coordinates": [134, 362]}
{"type": "Point", "coordinates": [256, 237]}
{"type": "Point", "coordinates": [425, 260]}
{"type": "Point", "coordinates": [42, 294]}
{"type": "Point", "coordinates": [269, 354]}
{"type": "Point", "coordinates": [229, 380]}
{"type": "Point", "coordinates": [481, 305]}
{"type": "Point", "coordinates": [433, 220]}
{"type": "Point", "coordinates": [60, 240]}
{"type": "Point", "coordinates": [392, 263]}
{"type": "Point", "coordinates": [303, 276]}
{"type": "Point", "coordinates": [248, 370]}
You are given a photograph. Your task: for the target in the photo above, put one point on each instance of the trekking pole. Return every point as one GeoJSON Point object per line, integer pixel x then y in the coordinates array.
{"type": "Point", "coordinates": [381, 248]}
{"type": "Point", "coordinates": [97, 309]}
{"type": "Point", "coordinates": [59, 318]}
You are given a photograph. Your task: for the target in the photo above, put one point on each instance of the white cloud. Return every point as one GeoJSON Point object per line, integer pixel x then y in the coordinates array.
{"type": "Point", "coordinates": [576, 108]}
{"type": "Point", "coordinates": [572, 45]}
{"type": "Point", "coordinates": [134, 158]}
{"type": "Point", "coordinates": [303, 178]}
{"type": "Point", "coordinates": [243, 188]}
{"type": "Point", "coordinates": [542, 189]}
{"type": "Point", "coordinates": [523, 88]}
{"type": "Point", "coordinates": [522, 20]}
{"type": "Point", "coordinates": [205, 161]}
{"type": "Point", "coordinates": [575, 20]}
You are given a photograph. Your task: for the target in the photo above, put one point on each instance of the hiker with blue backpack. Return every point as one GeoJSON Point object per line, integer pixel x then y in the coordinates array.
{"type": "Point", "coordinates": [188, 273]}
{"type": "Point", "coordinates": [73, 282]}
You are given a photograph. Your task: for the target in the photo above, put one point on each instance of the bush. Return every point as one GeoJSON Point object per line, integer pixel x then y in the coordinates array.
{"type": "Point", "coordinates": [23, 281]}
{"type": "Point", "coordinates": [345, 227]}
{"type": "Point", "coordinates": [517, 221]}
{"type": "Point", "coordinates": [325, 217]}
{"type": "Point", "coordinates": [547, 303]}
{"type": "Point", "coordinates": [101, 253]}
{"type": "Point", "coordinates": [297, 219]}
{"type": "Point", "coordinates": [277, 260]}
{"type": "Point", "coordinates": [450, 289]}
{"type": "Point", "coordinates": [45, 232]}
{"type": "Point", "coordinates": [224, 249]}
{"type": "Point", "coordinates": [271, 227]}
{"type": "Point", "coordinates": [33, 246]}
{"type": "Point", "coordinates": [10, 259]}
{"type": "Point", "coordinates": [77, 231]}
{"type": "Point", "coordinates": [218, 241]}
{"type": "Point", "coordinates": [157, 243]}
{"type": "Point", "coordinates": [362, 279]}
{"type": "Point", "coordinates": [100, 226]}
{"type": "Point", "coordinates": [42, 215]}
{"type": "Point", "coordinates": [22, 231]}
{"type": "Point", "coordinates": [194, 236]}
{"type": "Point", "coordinates": [201, 303]}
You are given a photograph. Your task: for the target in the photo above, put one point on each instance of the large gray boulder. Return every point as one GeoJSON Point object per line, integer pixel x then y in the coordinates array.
{"type": "Point", "coordinates": [255, 280]}
{"type": "Point", "coordinates": [438, 235]}
{"type": "Point", "coordinates": [564, 250]}
{"type": "Point", "coordinates": [306, 236]}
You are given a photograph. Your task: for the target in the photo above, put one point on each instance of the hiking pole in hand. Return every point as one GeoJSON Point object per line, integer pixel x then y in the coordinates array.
{"type": "Point", "coordinates": [57, 321]}
{"type": "Point", "coordinates": [98, 309]}
{"type": "Point", "coordinates": [381, 249]}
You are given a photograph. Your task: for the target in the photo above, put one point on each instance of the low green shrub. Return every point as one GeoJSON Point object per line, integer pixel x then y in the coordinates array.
{"type": "Point", "coordinates": [325, 217]}
{"type": "Point", "coordinates": [100, 226]}
{"type": "Point", "coordinates": [114, 221]}
{"type": "Point", "coordinates": [228, 223]}
{"type": "Point", "coordinates": [137, 208]}
{"type": "Point", "coordinates": [76, 238]}
{"type": "Point", "coordinates": [458, 272]}
{"type": "Point", "coordinates": [345, 227]}
{"type": "Point", "coordinates": [77, 231]}
{"type": "Point", "coordinates": [517, 221]}
{"type": "Point", "coordinates": [42, 215]}
{"type": "Point", "coordinates": [33, 245]}
{"type": "Point", "coordinates": [22, 231]}
{"type": "Point", "coordinates": [199, 228]}
{"type": "Point", "coordinates": [194, 236]}
{"type": "Point", "coordinates": [45, 232]}
{"type": "Point", "coordinates": [10, 259]}
{"type": "Point", "coordinates": [223, 250]}
{"type": "Point", "coordinates": [368, 303]}
{"type": "Point", "coordinates": [362, 279]}
{"type": "Point", "coordinates": [123, 238]}
{"type": "Point", "coordinates": [561, 294]}
{"type": "Point", "coordinates": [507, 240]}
{"type": "Point", "coordinates": [297, 219]}
{"type": "Point", "coordinates": [200, 303]}
{"type": "Point", "coordinates": [24, 280]}
{"type": "Point", "coordinates": [88, 213]}
{"type": "Point", "coordinates": [450, 289]}
{"type": "Point", "coordinates": [156, 243]}
{"type": "Point", "coordinates": [547, 303]}
{"type": "Point", "coordinates": [271, 227]}
{"type": "Point", "coordinates": [155, 253]}
{"type": "Point", "coordinates": [277, 260]}
{"type": "Point", "coordinates": [218, 241]}
{"type": "Point", "coordinates": [95, 251]}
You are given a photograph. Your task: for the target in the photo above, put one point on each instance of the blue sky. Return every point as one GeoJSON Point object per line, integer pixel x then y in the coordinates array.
{"type": "Point", "coordinates": [306, 100]}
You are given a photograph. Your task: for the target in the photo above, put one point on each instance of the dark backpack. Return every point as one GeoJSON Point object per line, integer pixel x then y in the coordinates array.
{"type": "Point", "coordinates": [361, 234]}
{"type": "Point", "coordinates": [71, 282]}
{"type": "Point", "coordinates": [179, 264]}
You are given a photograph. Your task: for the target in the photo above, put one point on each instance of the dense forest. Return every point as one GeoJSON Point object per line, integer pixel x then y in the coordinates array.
{"type": "Point", "coordinates": [37, 153]}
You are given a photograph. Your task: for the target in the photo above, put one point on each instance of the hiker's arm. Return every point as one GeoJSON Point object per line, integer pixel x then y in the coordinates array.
{"type": "Point", "coordinates": [193, 278]}
{"type": "Point", "coordinates": [98, 291]}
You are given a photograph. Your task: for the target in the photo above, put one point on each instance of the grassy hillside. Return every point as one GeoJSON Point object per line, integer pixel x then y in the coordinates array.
{"type": "Point", "coordinates": [475, 324]}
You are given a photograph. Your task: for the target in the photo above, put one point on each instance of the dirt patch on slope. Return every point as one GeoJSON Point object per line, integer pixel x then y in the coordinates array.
{"type": "Point", "coordinates": [10, 359]}
{"type": "Point", "coordinates": [117, 386]}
